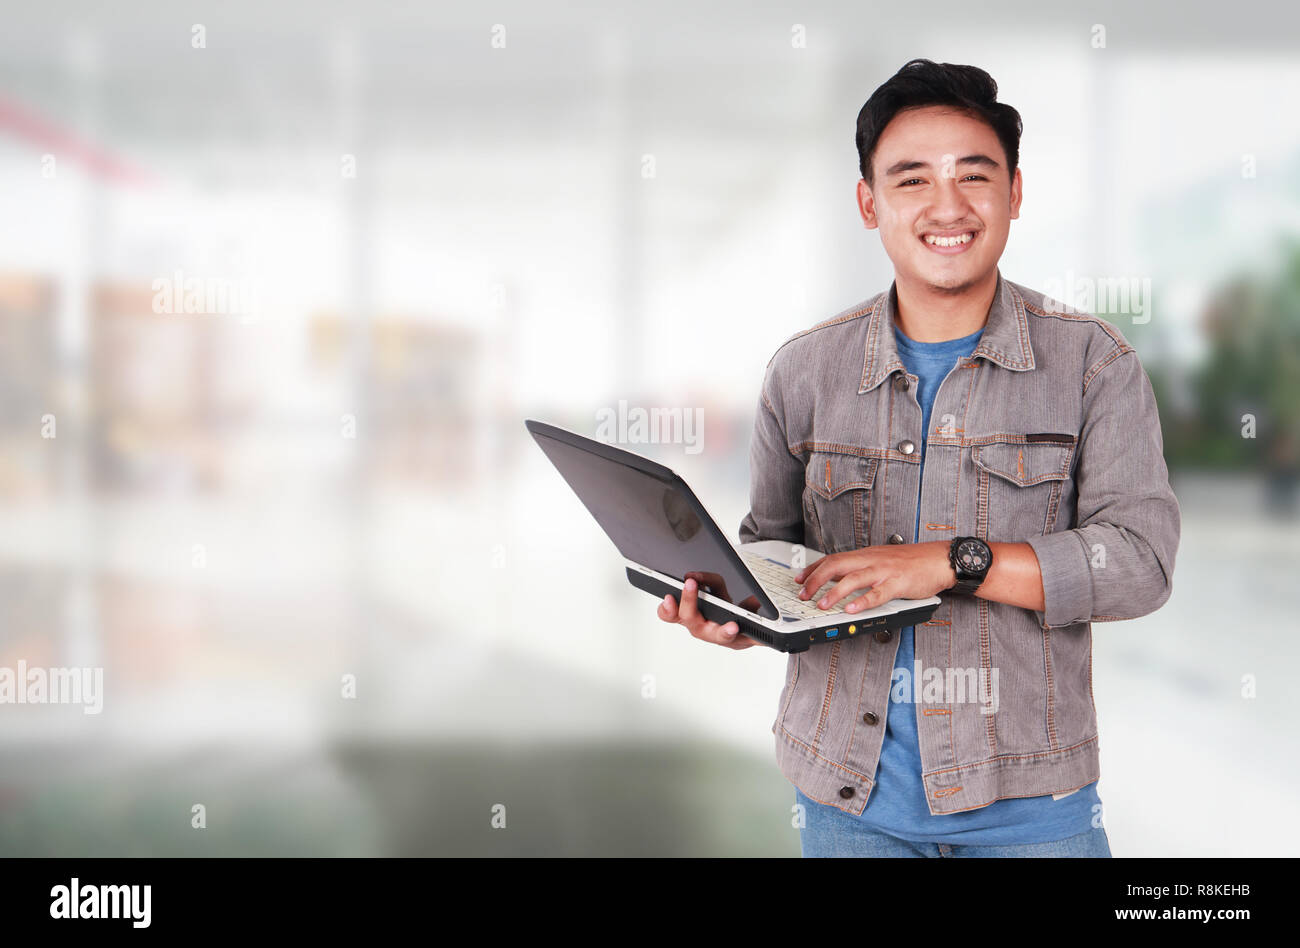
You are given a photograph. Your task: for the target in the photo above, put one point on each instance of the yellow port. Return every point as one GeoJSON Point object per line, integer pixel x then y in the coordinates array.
{"type": "Point", "coordinates": [852, 629]}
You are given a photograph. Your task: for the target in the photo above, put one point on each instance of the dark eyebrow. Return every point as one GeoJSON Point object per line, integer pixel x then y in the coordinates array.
{"type": "Point", "coordinates": [982, 160]}
{"type": "Point", "coordinates": [902, 166]}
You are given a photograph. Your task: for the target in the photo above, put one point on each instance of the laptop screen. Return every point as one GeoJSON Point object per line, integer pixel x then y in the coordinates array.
{"type": "Point", "coordinates": [654, 520]}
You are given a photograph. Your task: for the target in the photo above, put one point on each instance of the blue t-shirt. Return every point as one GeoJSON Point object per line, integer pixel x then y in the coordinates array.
{"type": "Point", "coordinates": [897, 804]}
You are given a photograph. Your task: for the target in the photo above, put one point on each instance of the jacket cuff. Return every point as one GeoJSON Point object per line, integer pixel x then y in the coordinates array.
{"type": "Point", "coordinates": [1067, 579]}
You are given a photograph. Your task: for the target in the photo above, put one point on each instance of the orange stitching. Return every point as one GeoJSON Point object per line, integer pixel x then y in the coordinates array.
{"type": "Point", "coordinates": [1077, 317]}
{"type": "Point", "coordinates": [869, 365]}
{"type": "Point", "coordinates": [930, 711]}
{"type": "Point", "coordinates": [830, 688]}
{"type": "Point", "coordinates": [851, 314]}
{"type": "Point", "coordinates": [952, 740]}
{"type": "Point", "coordinates": [986, 662]}
{"type": "Point", "coordinates": [957, 479]}
{"type": "Point", "coordinates": [938, 526]}
{"type": "Point", "coordinates": [982, 505]}
{"type": "Point", "coordinates": [794, 740]}
{"type": "Point", "coordinates": [862, 686]}
{"type": "Point", "coordinates": [999, 758]}
{"type": "Point", "coordinates": [1092, 372]}
{"type": "Point", "coordinates": [1091, 700]}
{"type": "Point", "coordinates": [1013, 796]}
{"type": "Point", "coordinates": [1020, 464]}
{"type": "Point", "coordinates": [1022, 324]}
{"type": "Point", "coordinates": [857, 518]}
{"type": "Point", "coordinates": [1052, 742]}
{"type": "Point", "coordinates": [1053, 506]}
{"type": "Point", "coordinates": [833, 448]}
{"type": "Point", "coordinates": [829, 488]}
{"type": "Point", "coordinates": [946, 793]}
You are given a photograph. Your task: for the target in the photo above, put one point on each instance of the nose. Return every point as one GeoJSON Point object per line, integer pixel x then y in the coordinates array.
{"type": "Point", "coordinates": [949, 202]}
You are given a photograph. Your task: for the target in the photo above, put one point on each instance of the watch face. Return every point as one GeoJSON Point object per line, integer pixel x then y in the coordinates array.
{"type": "Point", "coordinates": [973, 556]}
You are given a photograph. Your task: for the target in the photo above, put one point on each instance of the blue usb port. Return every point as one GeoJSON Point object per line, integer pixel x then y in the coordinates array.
{"type": "Point", "coordinates": [831, 633]}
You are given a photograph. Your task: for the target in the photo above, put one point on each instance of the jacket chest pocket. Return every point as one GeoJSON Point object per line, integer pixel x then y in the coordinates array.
{"type": "Point", "coordinates": [1020, 487]}
{"type": "Point", "coordinates": [837, 499]}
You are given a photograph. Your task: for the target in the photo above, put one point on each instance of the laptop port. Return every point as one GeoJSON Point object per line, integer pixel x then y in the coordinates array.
{"type": "Point", "coordinates": [831, 633]}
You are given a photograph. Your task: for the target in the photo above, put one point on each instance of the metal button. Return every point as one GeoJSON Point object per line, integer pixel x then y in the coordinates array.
{"type": "Point", "coordinates": [906, 447]}
{"type": "Point", "coordinates": [884, 635]}
{"type": "Point", "coordinates": [895, 538]}
{"type": "Point", "coordinates": [846, 792]}
{"type": "Point", "coordinates": [870, 717]}
{"type": "Point", "coordinates": [901, 382]}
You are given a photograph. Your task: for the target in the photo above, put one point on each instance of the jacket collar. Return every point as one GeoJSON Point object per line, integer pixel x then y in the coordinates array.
{"type": "Point", "coordinates": [1005, 339]}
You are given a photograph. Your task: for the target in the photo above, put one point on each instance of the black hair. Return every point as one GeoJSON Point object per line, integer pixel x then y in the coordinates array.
{"type": "Point", "coordinates": [922, 82]}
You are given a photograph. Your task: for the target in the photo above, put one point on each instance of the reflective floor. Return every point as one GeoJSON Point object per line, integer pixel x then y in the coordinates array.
{"type": "Point", "coordinates": [600, 731]}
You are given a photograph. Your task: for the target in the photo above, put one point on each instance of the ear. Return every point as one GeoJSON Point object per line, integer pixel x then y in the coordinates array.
{"type": "Point", "coordinates": [867, 205]}
{"type": "Point", "coordinates": [1017, 185]}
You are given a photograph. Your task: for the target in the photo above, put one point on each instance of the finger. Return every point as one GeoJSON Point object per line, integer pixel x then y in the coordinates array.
{"type": "Point", "coordinates": [833, 568]}
{"type": "Point", "coordinates": [727, 634]}
{"type": "Point", "coordinates": [687, 612]}
{"type": "Point", "coordinates": [808, 570]}
{"type": "Point", "coordinates": [877, 595]}
{"type": "Point", "coordinates": [707, 631]}
{"type": "Point", "coordinates": [668, 609]}
{"type": "Point", "coordinates": [821, 574]}
{"type": "Point", "coordinates": [858, 579]}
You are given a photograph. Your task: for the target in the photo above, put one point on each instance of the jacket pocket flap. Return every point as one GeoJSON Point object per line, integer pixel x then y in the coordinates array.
{"type": "Point", "coordinates": [1025, 464]}
{"type": "Point", "coordinates": [831, 473]}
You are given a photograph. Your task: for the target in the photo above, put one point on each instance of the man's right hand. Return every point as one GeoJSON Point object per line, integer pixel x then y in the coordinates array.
{"type": "Point", "coordinates": [688, 614]}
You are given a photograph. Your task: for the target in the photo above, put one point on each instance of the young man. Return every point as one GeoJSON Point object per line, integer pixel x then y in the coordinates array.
{"type": "Point", "coordinates": [960, 435]}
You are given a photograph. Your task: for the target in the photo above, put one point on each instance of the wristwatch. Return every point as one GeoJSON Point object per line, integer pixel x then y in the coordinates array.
{"type": "Point", "coordinates": [970, 558]}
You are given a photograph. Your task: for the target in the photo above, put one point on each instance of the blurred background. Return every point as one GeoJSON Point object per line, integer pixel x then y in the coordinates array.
{"type": "Point", "coordinates": [280, 282]}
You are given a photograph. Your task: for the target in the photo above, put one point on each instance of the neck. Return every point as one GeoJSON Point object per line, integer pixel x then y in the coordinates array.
{"type": "Point", "coordinates": [927, 314]}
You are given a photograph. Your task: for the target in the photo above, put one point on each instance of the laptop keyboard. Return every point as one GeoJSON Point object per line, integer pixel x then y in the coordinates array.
{"type": "Point", "coordinates": [779, 582]}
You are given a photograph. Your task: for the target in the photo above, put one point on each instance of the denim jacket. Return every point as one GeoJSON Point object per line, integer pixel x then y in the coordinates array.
{"type": "Point", "coordinates": [1048, 434]}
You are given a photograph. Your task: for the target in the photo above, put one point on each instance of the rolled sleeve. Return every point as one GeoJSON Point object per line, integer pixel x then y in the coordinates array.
{"type": "Point", "coordinates": [1117, 562]}
{"type": "Point", "coordinates": [1067, 580]}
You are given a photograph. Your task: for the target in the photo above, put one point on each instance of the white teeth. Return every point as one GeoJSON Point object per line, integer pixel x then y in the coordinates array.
{"type": "Point", "coordinates": [949, 241]}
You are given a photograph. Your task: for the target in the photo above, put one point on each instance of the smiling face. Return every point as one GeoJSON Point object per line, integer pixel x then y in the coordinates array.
{"type": "Point", "coordinates": [942, 198]}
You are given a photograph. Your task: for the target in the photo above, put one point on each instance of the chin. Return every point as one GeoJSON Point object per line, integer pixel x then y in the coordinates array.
{"type": "Point", "coordinates": [953, 286]}
{"type": "Point", "coordinates": [953, 283]}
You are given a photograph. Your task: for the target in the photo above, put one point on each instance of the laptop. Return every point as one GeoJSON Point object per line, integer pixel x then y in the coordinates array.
{"type": "Point", "coordinates": [664, 534]}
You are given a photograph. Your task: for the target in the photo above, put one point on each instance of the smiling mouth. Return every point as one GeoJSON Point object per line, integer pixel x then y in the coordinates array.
{"type": "Point", "coordinates": [949, 243]}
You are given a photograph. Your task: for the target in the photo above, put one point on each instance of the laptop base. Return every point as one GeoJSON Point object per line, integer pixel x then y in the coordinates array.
{"type": "Point", "coordinates": [789, 641]}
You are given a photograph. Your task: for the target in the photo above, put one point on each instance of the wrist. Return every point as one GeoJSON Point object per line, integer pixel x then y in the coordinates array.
{"type": "Point", "coordinates": [948, 575]}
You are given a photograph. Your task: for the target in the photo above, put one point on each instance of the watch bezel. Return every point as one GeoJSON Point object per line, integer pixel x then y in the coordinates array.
{"type": "Point", "coordinates": [968, 581]}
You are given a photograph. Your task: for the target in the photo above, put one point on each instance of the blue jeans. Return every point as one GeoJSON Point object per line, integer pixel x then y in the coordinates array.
{"type": "Point", "coordinates": [829, 831]}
